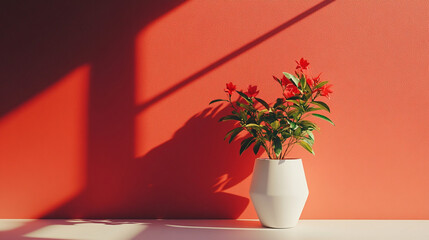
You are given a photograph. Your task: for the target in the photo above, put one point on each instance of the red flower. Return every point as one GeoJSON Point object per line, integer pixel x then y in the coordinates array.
{"type": "Point", "coordinates": [317, 79]}
{"type": "Point", "coordinates": [230, 88]}
{"type": "Point", "coordinates": [325, 90]}
{"type": "Point", "coordinates": [288, 94]}
{"type": "Point", "coordinates": [313, 81]}
{"type": "Point", "coordinates": [302, 64]}
{"type": "Point", "coordinates": [290, 91]}
{"type": "Point", "coordinates": [252, 91]}
{"type": "Point", "coordinates": [285, 81]}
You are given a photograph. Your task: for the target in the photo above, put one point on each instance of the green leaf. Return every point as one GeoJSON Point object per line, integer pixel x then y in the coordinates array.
{"type": "Point", "coordinates": [312, 109]}
{"type": "Point", "coordinates": [243, 115]}
{"type": "Point", "coordinates": [293, 113]}
{"type": "Point", "coordinates": [310, 135]}
{"type": "Point", "coordinates": [308, 90]}
{"type": "Point", "coordinates": [281, 107]}
{"type": "Point", "coordinates": [303, 82]}
{"type": "Point", "coordinates": [234, 134]}
{"type": "Point", "coordinates": [320, 85]}
{"type": "Point", "coordinates": [306, 146]}
{"type": "Point", "coordinates": [323, 117]}
{"type": "Point", "coordinates": [294, 98]}
{"type": "Point", "coordinates": [322, 105]}
{"type": "Point", "coordinates": [263, 103]}
{"type": "Point", "coordinates": [253, 125]}
{"type": "Point", "coordinates": [293, 101]}
{"type": "Point", "coordinates": [246, 143]}
{"type": "Point", "coordinates": [279, 101]}
{"type": "Point", "coordinates": [239, 129]}
{"type": "Point", "coordinates": [218, 100]}
{"type": "Point", "coordinates": [291, 77]}
{"type": "Point", "coordinates": [245, 97]}
{"type": "Point", "coordinates": [297, 132]}
{"type": "Point", "coordinates": [285, 135]}
{"type": "Point", "coordinates": [270, 117]}
{"type": "Point", "coordinates": [260, 114]}
{"type": "Point", "coordinates": [309, 140]}
{"type": "Point", "coordinates": [307, 124]}
{"type": "Point", "coordinates": [275, 125]}
{"type": "Point", "coordinates": [253, 132]}
{"type": "Point", "coordinates": [277, 146]}
{"type": "Point", "coordinates": [245, 106]}
{"type": "Point", "coordinates": [293, 125]}
{"type": "Point", "coordinates": [230, 117]}
{"type": "Point", "coordinates": [256, 147]}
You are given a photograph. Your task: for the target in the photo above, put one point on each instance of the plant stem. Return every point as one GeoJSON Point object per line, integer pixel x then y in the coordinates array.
{"type": "Point", "coordinates": [287, 147]}
{"type": "Point", "coordinates": [229, 97]}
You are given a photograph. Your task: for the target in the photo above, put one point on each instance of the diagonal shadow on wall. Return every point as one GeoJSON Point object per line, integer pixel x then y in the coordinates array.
{"type": "Point", "coordinates": [232, 55]}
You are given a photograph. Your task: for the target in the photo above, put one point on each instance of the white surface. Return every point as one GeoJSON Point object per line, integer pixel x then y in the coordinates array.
{"type": "Point", "coordinates": [212, 229]}
{"type": "Point", "coordinates": [278, 191]}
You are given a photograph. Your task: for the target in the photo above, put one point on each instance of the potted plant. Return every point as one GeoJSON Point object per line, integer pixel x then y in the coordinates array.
{"type": "Point", "coordinates": [279, 188]}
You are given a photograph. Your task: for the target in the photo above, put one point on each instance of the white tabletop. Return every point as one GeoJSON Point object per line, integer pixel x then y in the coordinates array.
{"type": "Point", "coordinates": [18, 229]}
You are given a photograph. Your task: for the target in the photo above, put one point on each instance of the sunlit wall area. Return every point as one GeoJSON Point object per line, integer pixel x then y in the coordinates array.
{"type": "Point", "coordinates": [43, 148]}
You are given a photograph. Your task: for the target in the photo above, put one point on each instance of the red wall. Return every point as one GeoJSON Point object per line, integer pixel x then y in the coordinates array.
{"type": "Point", "coordinates": [103, 109]}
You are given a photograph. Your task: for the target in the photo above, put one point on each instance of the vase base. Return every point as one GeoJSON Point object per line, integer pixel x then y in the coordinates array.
{"type": "Point", "coordinates": [278, 227]}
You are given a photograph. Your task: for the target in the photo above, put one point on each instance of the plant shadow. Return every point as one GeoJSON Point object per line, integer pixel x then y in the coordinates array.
{"type": "Point", "coordinates": [186, 175]}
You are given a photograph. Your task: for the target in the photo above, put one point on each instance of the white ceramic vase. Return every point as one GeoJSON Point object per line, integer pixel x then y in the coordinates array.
{"type": "Point", "coordinates": [278, 191]}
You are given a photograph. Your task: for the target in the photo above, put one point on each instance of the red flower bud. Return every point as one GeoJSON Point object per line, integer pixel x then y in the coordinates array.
{"type": "Point", "coordinates": [252, 91]}
{"type": "Point", "coordinates": [285, 81]}
{"type": "Point", "coordinates": [302, 64]}
{"type": "Point", "coordinates": [325, 90]}
{"type": "Point", "coordinates": [230, 88]}
{"type": "Point", "coordinates": [313, 81]}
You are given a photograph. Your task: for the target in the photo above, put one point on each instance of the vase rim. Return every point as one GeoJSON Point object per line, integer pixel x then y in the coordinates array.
{"type": "Point", "coordinates": [285, 159]}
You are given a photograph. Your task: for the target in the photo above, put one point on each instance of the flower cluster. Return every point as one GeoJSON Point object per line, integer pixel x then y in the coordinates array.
{"type": "Point", "coordinates": [280, 125]}
{"type": "Point", "coordinates": [252, 91]}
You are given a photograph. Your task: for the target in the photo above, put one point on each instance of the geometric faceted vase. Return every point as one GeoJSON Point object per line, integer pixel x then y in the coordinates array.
{"type": "Point", "coordinates": [278, 191]}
